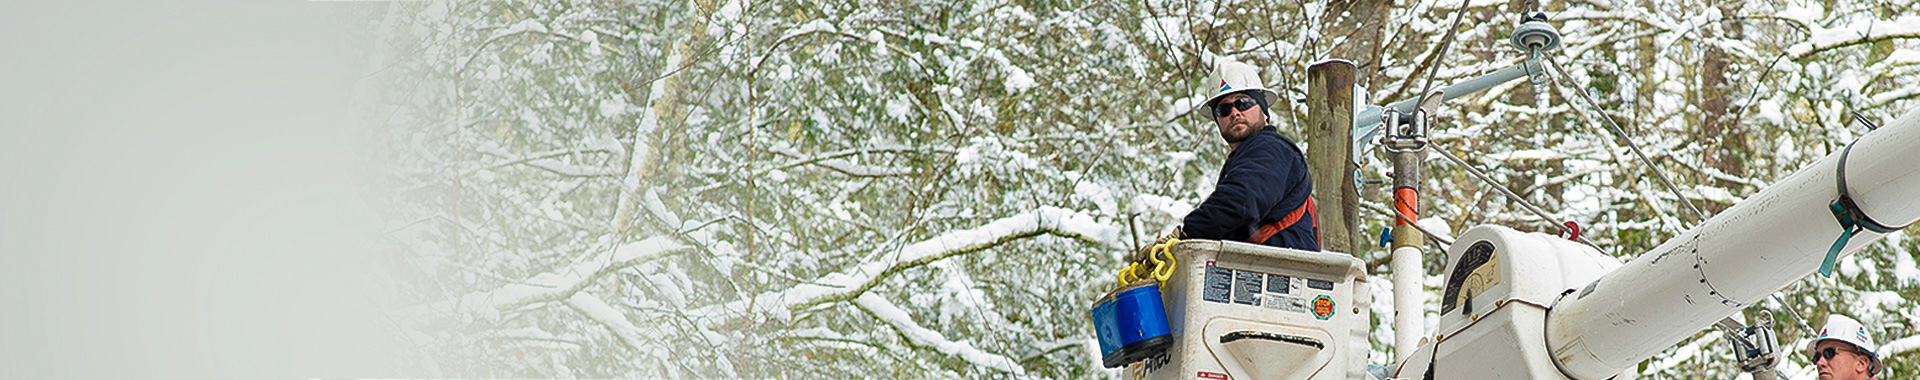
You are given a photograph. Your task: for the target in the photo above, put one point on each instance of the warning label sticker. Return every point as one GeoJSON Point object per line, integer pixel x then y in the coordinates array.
{"type": "Point", "coordinates": [1246, 287]}
{"type": "Point", "coordinates": [1219, 284]}
{"type": "Point", "coordinates": [1285, 303]}
{"type": "Point", "coordinates": [1272, 291]}
{"type": "Point", "coordinates": [1323, 307]}
{"type": "Point", "coordinates": [1278, 284]}
{"type": "Point", "coordinates": [1320, 284]}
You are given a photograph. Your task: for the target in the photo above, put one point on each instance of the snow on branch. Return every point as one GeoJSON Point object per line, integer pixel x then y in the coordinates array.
{"type": "Point", "coordinates": [1900, 346]}
{"type": "Point", "coordinates": [853, 282]}
{"type": "Point", "coordinates": [545, 161]}
{"type": "Point", "coordinates": [524, 26]}
{"type": "Point", "coordinates": [599, 311]}
{"type": "Point", "coordinates": [556, 285]}
{"type": "Point", "coordinates": [1825, 39]}
{"type": "Point", "coordinates": [920, 336]}
{"type": "Point", "coordinates": [569, 170]}
{"type": "Point", "coordinates": [1887, 98]}
{"type": "Point", "coordinates": [858, 170]}
{"type": "Point", "coordinates": [817, 25]}
{"type": "Point", "coordinates": [834, 161]}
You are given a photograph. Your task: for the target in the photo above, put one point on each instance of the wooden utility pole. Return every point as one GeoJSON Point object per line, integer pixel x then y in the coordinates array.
{"type": "Point", "coordinates": [1330, 154]}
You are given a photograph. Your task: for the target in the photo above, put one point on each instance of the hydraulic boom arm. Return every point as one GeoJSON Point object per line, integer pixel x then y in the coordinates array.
{"type": "Point", "coordinates": [1736, 258]}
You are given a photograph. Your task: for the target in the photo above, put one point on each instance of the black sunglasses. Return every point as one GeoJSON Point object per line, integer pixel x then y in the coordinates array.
{"type": "Point", "coordinates": [1825, 353]}
{"type": "Point", "coordinates": [1223, 109]}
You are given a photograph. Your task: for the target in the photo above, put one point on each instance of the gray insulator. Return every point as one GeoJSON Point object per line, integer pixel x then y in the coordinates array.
{"type": "Point", "coordinates": [1536, 34]}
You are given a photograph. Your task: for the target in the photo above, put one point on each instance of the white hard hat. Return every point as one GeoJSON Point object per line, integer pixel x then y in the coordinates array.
{"type": "Point", "coordinates": [1843, 329]}
{"type": "Point", "coordinates": [1231, 77]}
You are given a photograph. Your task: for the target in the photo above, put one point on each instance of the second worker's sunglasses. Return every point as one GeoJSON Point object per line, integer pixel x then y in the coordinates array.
{"type": "Point", "coordinates": [1223, 109]}
{"type": "Point", "coordinates": [1826, 353]}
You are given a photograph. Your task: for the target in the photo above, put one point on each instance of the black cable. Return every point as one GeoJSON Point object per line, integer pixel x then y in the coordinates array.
{"type": "Point", "coordinates": [1622, 135]}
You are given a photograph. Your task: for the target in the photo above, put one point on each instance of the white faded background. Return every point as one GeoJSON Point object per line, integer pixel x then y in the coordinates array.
{"type": "Point", "coordinates": [177, 193]}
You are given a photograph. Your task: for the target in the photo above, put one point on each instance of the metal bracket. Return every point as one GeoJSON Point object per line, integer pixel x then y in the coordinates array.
{"type": "Point", "coordinates": [1407, 133]}
{"type": "Point", "coordinates": [1754, 347]}
{"type": "Point", "coordinates": [1534, 37]}
{"type": "Point", "coordinates": [1367, 121]}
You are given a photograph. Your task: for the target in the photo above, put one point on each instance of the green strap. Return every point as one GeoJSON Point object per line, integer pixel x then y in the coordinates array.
{"type": "Point", "coordinates": [1826, 266]}
{"type": "Point", "coordinates": [1843, 212]}
{"type": "Point", "coordinates": [1848, 213]}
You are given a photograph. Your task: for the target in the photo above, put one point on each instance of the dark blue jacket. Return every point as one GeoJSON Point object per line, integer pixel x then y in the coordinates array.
{"type": "Point", "coordinates": [1263, 180]}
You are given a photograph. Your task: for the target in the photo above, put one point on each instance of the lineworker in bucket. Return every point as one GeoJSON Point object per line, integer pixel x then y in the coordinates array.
{"type": "Point", "coordinates": [1844, 351]}
{"type": "Point", "coordinates": [1264, 195]}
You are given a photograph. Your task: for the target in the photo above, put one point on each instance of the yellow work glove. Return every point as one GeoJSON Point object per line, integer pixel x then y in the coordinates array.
{"type": "Point", "coordinates": [1145, 265]}
{"type": "Point", "coordinates": [1141, 254]}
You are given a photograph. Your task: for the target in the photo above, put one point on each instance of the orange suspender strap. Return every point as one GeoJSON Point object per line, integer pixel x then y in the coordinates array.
{"type": "Point", "coordinates": [1267, 231]}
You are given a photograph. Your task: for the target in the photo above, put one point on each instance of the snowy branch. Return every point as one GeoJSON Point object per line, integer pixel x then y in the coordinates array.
{"type": "Point", "coordinates": [834, 162]}
{"type": "Point", "coordinates": [524, 26]}
{"type": "Point", "coordinates": [545, 161]}
{"type": "Point", "coordinates": [615, 321]}
{"type": "Point", "coordinates": [1048, 348]}
{"type": "Point", "coordinates": [920, 336]}
{"type": "Point", "coordinates": [556, 285]}
{"type": "Point", "coordinates": [853, 282]}
{"type": "Point", "coordinates": [1825, 39]}
{"type": "Point", "coordinates": [1900, 346]}
{"type": "Point", "coordinates": [1887, 98]}
{"type": "Point", "coordinates": [570, 170]}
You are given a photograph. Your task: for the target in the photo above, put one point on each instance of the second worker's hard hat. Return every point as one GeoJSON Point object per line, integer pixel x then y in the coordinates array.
{"type": "Point", "coordinates": [1843, 329]}
{"type": "Point", "coordinates": [1231, 77]}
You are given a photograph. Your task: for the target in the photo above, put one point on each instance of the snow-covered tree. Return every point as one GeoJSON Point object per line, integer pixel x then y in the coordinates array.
{"type": "Point", "coordinates": [811, 189]}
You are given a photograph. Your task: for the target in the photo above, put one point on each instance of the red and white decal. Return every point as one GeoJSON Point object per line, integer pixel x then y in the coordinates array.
{"type": "Point", "coordinates": [1211, 375]}
{"type": "Point", "coordinates": [1323, 307]}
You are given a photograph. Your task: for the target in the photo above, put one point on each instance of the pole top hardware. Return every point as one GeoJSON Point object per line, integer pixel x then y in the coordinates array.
{"type": "Point", "coordinates": [1536, 35]}
{"type": "Point", "coordinates": [1407, 132]}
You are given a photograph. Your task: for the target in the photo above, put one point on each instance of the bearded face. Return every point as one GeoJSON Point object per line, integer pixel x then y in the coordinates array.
{"type": "Point", "coordinates": [1238, 117]}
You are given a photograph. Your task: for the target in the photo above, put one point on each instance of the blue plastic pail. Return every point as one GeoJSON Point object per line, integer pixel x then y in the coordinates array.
{"type": "Point", "coordinates": [1131, 323]}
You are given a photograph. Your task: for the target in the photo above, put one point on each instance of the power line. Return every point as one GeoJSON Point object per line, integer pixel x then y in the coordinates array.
{"type": "Point", "coordinates": [1620, 133]}
{"type": "Point", "coordinates": [1512, 196]}
{"type": "Point", "coordinates": [1445, 42]}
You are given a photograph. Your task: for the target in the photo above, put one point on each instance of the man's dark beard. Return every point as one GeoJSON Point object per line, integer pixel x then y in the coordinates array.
{"type": "Point", "coordinates": [1232, 140]}
{"type": "Point", "coordinates": [1251, 130]}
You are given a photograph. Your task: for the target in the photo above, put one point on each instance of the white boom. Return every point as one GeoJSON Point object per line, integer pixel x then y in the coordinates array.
{"type": "Point", "coordinates": [1736, 258]}
{"type": "Point", "coordinates": [1533, 306]}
